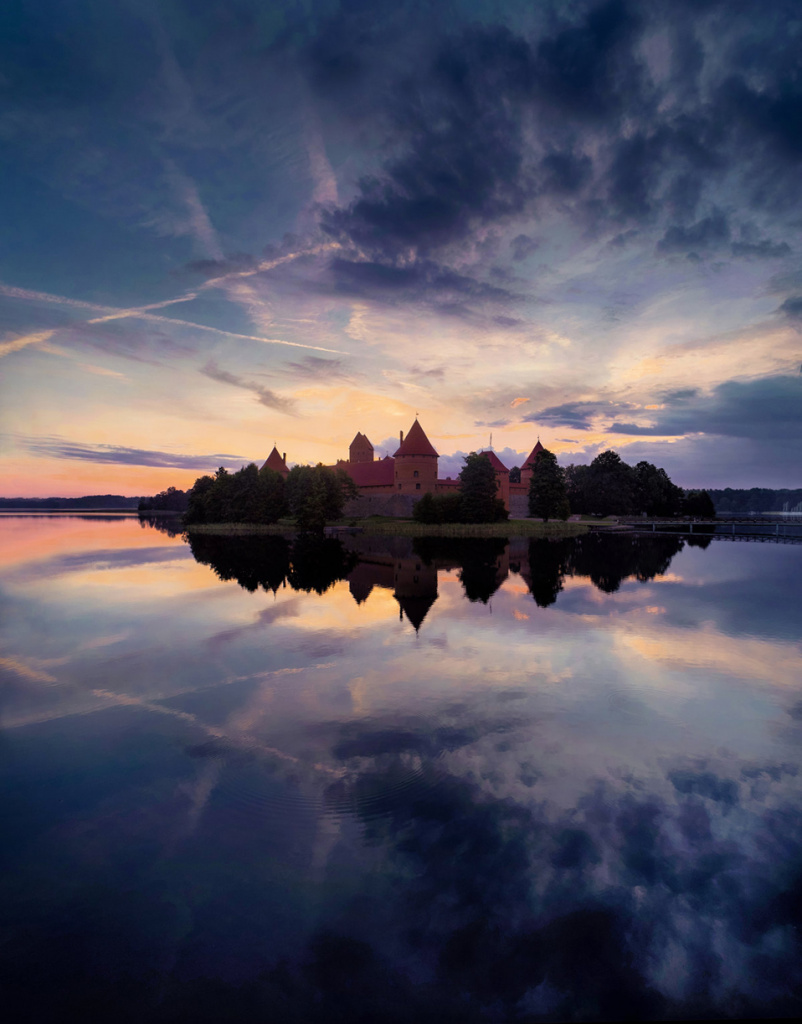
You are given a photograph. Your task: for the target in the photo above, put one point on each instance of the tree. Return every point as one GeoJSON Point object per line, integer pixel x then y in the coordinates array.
{"type": "Point", "coordinates": [515, 475]}
{"type": "Point", "coordinates": [197, 501]}
{"type": "Point", "coordinates": [655, 494]}
{"type": "Point", "coordinates": [249, 496]}
{"type": "Point", "coordinates": [171, 500]}
{"type": "Point", "coordinates": [611, 485]}
{"type": "Point", "coordinates": [317, 494]}
{"type": "Point", "coordinates": [548, 498]}
{"type": "Point", "coordinates": [438, 508]}
{"type": "Point", "coordinates": [479, 501]}
{"type": "Point", "coordinates": [699, 504]}
{"type": "Point", "coordinates": [577, 479]}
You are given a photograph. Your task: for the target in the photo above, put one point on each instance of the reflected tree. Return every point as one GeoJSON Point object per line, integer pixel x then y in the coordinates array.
{"type": "Point", "coordinates": [317, 563]}
{"type": "Point", "coordinates": [547, 565]}
{"type": "Point", "coordinates": [608, 560]}
{"type": "Point", "coordinates": [253, 562]}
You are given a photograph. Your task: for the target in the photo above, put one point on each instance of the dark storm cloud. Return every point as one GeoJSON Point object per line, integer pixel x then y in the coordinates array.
{"type": "Point", "coordinates": [572, 414]}
{"type": "Point", "coordinates": [765, 409]}
{"type": "Point", "coordinates": [57, 448]}
{"type": "Point", "coordinates": [498, 125]}
{"type": "Point", "coordinates": [264, 395]}
{"type": "Point", "coordinates": [764, 249]}
{"type": "Point", "coordinates": [423, 279]}
{"type": "Point", "coordinates": [792, 307]}
{"type": "Point", "coordinates": [710, 233]}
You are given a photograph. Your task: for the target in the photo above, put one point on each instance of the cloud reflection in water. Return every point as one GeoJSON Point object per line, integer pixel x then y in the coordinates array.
{"type": "Point", "coordinates": [546, 780]}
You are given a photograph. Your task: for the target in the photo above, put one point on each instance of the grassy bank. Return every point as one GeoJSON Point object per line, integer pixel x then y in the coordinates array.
{"type": "Point", "coordinates": [384, 526]}
{"type": "Point", "coordinates": [283, 526]}
{"type": "Point", "coordinates": [511, 528]}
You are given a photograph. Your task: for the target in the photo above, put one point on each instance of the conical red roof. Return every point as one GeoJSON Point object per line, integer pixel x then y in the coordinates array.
{"type": "Point", "coordinates": [416, 443]}
{"type": "Point", "coordinates": [495, 462]}
{"type": "Point", "coordinates": [533, 454]}
{"type": "Point", "coordinates": [275, 462]}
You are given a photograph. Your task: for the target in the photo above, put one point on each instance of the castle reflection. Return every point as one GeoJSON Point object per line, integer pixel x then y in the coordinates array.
{"type": "Point", "coordinates": [409, 567]}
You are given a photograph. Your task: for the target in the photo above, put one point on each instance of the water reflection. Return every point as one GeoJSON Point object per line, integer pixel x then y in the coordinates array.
{"type": "Point", "coordinates": [409, 567]}
{"type": "Point", "coordinates": [279, 801]}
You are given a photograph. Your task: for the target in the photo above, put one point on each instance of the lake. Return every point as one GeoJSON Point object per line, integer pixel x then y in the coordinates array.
{"type": "Point", "coordinates": [389, 780]}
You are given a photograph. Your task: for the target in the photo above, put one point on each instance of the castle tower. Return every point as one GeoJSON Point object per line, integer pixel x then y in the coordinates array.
{"type": "Point", "coordinates": [277, 462]}
{"type": "Point", "coordinates": [415, 463]}
{"type": "Point", "coordinates": [361, 450]}
{"type": "Point", "coordinates": [526, 469]}
{"type": "Point", "coordinates": [415, 588]}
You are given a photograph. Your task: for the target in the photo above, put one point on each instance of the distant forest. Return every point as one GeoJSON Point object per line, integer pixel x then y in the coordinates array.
{"type": "Point", "coordinates": [94, 501]}
{"type": "Point", "coordinates": [756, 499]}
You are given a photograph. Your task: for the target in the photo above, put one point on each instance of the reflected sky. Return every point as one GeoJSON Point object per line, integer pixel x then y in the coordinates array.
{"type": "Point", "coordinates": [394, 780]}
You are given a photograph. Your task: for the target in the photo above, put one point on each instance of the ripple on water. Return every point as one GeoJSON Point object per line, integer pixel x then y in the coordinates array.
{"type": "Point", "coordinates": [254, 784]}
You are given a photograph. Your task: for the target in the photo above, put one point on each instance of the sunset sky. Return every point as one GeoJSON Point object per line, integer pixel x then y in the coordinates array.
{"type": "Point", "coordinates": [226, 225]}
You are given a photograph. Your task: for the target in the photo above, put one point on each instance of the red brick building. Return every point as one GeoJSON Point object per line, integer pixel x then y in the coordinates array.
{"type": "Point", "coordinates": [412, 469]}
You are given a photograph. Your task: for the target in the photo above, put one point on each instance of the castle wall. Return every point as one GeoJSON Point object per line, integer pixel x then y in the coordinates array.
{"type": "Point", "coordinates": [388, 504]}
{"type": "Point", "coordinates": [519, 504]}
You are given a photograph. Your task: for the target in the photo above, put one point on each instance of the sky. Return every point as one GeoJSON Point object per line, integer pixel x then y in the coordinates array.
{"type": "Point", "coordinates": [232, 225]}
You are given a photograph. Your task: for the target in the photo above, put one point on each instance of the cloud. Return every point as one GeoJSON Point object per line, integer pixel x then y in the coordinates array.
{"type": "Point", "coordinates": [264, 395]}
{"type": "Point", "coordinates": [518, 401]}
{"type": "Point", "coordinates": [570, 414]}
{"type": "Point", "coordinates": [769, 408]}
{"type": "Point", "coordinates": [58, 448]}
{"type": "Point", "coordinates": [792, 307]}
{"type": "Point", "coordinates": [144, 313]}
{"type": "Point", "coordinates": [318, 368]}
{"type": "Point", "coordinates": [706, 235]}
{"type": "Point", "coordinates": [523, 246]}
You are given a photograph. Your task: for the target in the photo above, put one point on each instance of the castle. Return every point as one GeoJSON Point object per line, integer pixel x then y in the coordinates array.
{"type": "Point", "coordinates": [411, 471]}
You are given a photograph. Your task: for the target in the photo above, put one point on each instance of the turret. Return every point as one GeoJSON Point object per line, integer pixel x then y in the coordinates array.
{"type": "Point", "coordinates": [415, 463]}
{"type": "Point", "coordinates": [360, 450]}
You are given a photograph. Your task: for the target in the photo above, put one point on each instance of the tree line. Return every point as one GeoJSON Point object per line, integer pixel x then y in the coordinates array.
{"type": "Point", "coordinates": [312, 495]}
{"type": "Point", "coordinates": [609, 486]}
{"type": "Point", "coordinates": [756, 499]}
{"type": "Point", "coordinates": [315, 495]}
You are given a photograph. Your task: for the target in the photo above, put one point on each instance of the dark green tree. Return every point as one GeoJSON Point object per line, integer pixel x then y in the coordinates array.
{"type": "Point", "coordinates": [171, 500]}
{"type": "Point", "coordinates": [438, 508]}
{"type": "Point", "coordinates": [248, 496]}
{"type": "Point", "coordinates": [197, 510]}
{"type": "Point", "coordinates": [699, 504]}
{"type": "Point", "coordinates": [577, 480]}
{"type": "Point", "coordinates": [317, 495]}
{"type": "Point", "coordinates": [611, 485]}
{"type": "Point", "coordinates": [478, 491]}
{"type": "Point", "coordinates": [515, 475]}
{"type": "Point", "coordinates": [655, 494]}
{"type": "Point", "coordinates": [548, 498]}
{"type": "Point", "coordinates": [424, 511]}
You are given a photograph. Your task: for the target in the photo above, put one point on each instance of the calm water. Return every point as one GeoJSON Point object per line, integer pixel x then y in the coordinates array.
{"type": "Point", "coordinates": [437, 782]}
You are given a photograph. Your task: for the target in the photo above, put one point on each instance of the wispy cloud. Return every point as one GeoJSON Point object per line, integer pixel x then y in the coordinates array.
{"type": "Point", "coordinates": [264, 395]}
{"type": "Point", "coordinates": [60, 448]}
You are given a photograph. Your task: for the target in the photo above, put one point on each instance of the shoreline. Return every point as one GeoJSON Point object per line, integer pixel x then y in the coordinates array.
{"type": "Point", "coordinates": [405, 528]}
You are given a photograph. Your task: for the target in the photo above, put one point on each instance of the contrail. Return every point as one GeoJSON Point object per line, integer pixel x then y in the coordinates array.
{"type": "Point", "coordinates": [142, 313]}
